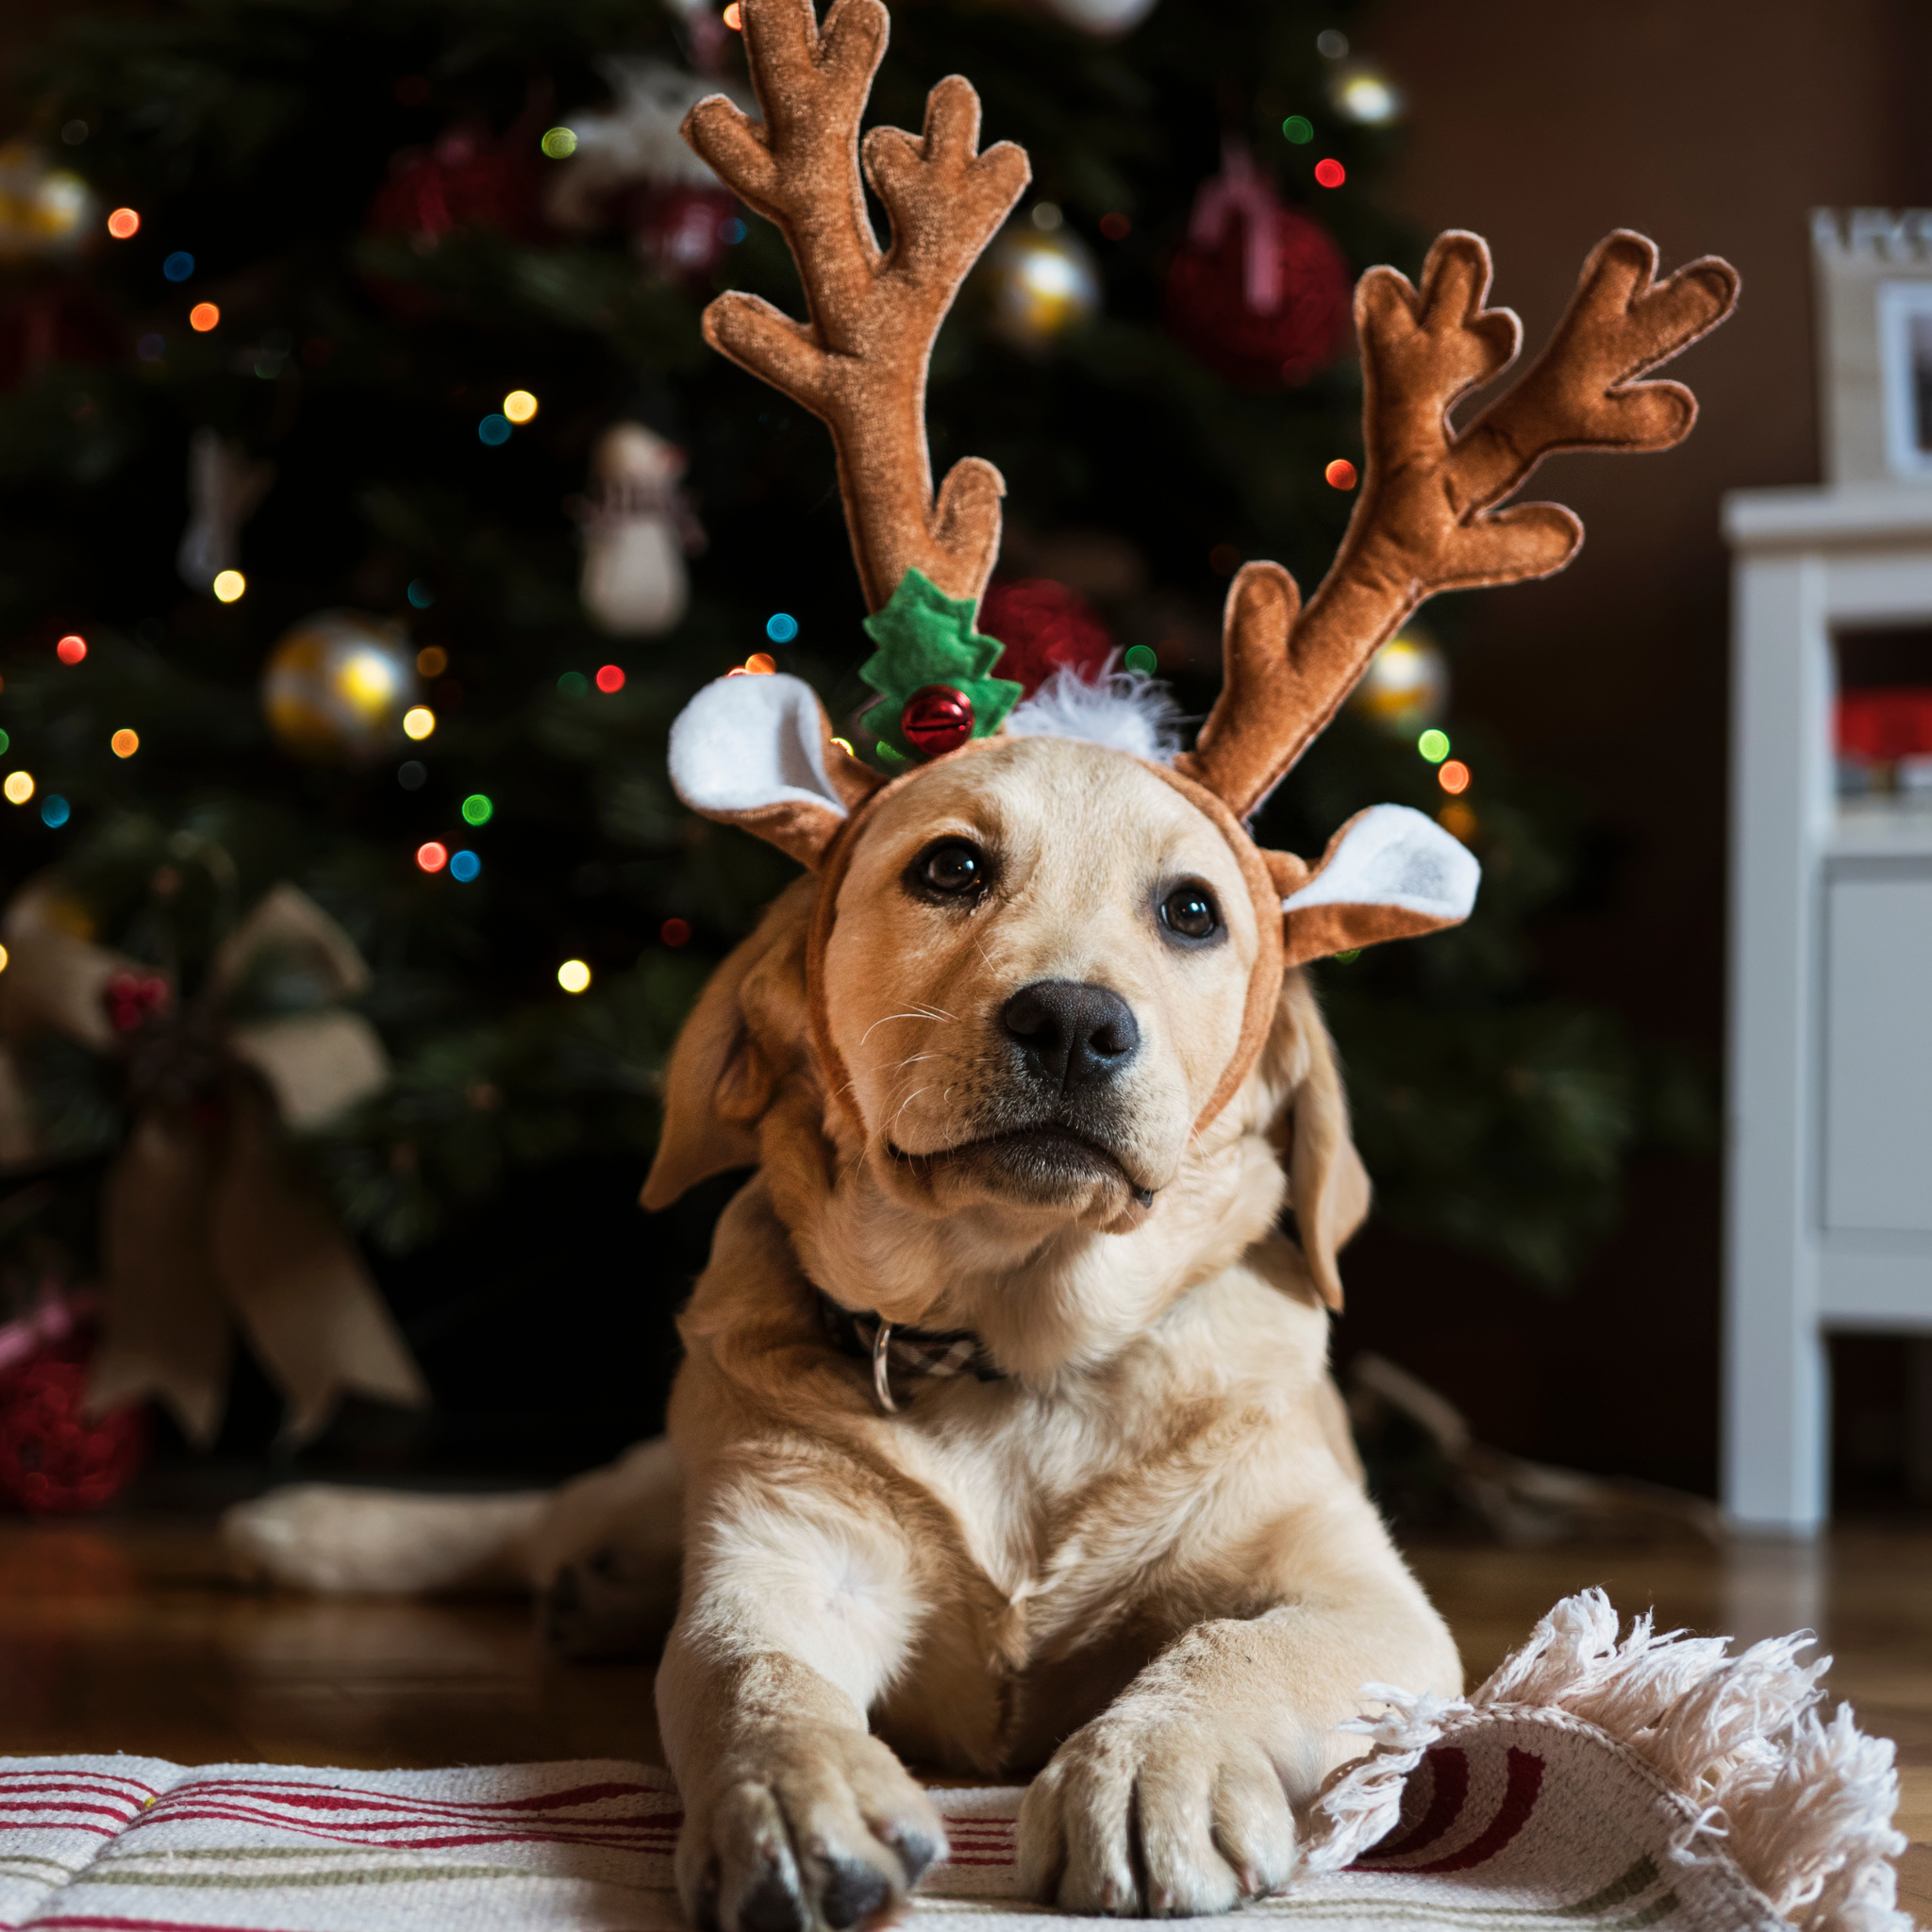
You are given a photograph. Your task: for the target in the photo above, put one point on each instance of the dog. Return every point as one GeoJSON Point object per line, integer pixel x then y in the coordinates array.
{"type": "Point", "coordinates": [1132, 1543]}
{"type": "Point", "coordinates": [1004, 1439]}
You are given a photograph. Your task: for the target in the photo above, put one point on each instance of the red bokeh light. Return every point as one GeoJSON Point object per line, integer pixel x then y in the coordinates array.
{"type": "Point", "coordinates": [71, 649]}
{"type": "Point", "coordinates": [123, 224]}
{"type": "Point", "coordinates": [432, 857]}
{"type": "Point", "coordinates": [1330, 173]}
{"type": "Point", "coordinates": [1454, 777]}
{"type": "Point", "coordinates": [609, 679]}
{"type": "Point", "coordinates": [674, 932]}
{"type": "Point", "coordinates": [1340, 473]}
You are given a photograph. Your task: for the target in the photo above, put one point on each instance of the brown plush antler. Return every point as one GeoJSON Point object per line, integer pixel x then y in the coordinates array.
{"type": "Point", "coordinates": [1427, 519]}
{"type": "Point", "coordinates": [860, 364]}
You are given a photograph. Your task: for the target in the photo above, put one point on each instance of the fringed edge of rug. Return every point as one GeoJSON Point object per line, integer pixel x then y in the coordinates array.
{"type": "Point", "coordinates": [1802, 1808]}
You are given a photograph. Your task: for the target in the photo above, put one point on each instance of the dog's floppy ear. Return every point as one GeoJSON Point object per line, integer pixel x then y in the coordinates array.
{"type": "Point", "coordinates": [1328, 1186]}
{"type": "Point", "coordinates": [758, 752]}
{"type": "Point", "coordinates": [722, 1075]}
{"type": "Point", "coordinates": [1390, 874]}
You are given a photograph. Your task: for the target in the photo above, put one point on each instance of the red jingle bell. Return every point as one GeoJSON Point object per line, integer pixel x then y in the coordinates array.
{"type": "Point", "coordinates": [937, 719]}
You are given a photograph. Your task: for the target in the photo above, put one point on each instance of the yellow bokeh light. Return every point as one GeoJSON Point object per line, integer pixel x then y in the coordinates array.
{"type": "Point", "coordinates": [124, 744]}
{"type": "Point", "coordinates": [432, 661]}
{"type": "Point", "coordinates": [3, 958]}
{"type": "Point", "coordinates": [520, 406]}
{"type": "Point", "coordinates": [574, 975]}
{"type": "Point", "coordinates": [419, 720]}
{"type": "Point", "coordinates": [229, 584]}
{"type": "Point", "coordinates": [18, 787]}
{"type": "Point", "coordinates": [368, 679]}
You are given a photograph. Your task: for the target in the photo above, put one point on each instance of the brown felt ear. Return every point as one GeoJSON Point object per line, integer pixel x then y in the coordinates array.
{"type": "Point", "coordinates": [725, 1068]}
{"type": "Point", "coordinates": [1392, 872]}
{"type": "Point", "coordinates": [758, 752]}
{"type": "Point", "coordinates": [1328, 1186]}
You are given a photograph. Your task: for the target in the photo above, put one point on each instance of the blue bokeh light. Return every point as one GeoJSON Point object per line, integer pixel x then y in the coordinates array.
{"type": "Point", "coordinates": [178, 266]}
{"type": "Point", "coordinates": [55, 810]}
{"type": "Point", "coordinates": [494, 430]}
{"type": "Point", "coordinates": [781, 628]}
{"type": "Point", "coordinates": [421, 595]}
{"type": "Point", "coordinates": [464, 865]}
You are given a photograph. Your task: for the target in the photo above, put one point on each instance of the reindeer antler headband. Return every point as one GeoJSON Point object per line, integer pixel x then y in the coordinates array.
{"type": "Point", "coordinates": [760, 752]}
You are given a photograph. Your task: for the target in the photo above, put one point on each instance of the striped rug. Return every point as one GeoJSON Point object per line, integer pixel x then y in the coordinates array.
{"type": "Point", "coordinates": [1590, 1784]}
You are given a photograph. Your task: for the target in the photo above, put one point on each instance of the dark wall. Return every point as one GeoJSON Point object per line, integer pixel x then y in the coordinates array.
{"type": "Point", "coordinates": [1713, 125]}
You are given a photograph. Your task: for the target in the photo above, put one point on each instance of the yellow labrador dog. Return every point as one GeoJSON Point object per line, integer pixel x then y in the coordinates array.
{"type": "Point", "coordinates": [1005, 1438]}
{"type": "Point", "coordinates": [1128, 1539]}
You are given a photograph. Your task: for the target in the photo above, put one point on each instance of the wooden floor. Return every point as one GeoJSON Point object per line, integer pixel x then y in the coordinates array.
{"type": "Point", "coordinates": [126, 1637]}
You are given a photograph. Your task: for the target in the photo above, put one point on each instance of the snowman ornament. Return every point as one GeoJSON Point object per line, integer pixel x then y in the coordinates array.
{"type": "Point", "coordinates": [638, 530]}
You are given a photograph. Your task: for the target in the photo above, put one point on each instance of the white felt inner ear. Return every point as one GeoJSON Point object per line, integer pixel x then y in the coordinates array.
{"type": "Point", "coordinates": [1396, 856]}
{"type": "Point", "coordinates": [750, 740]}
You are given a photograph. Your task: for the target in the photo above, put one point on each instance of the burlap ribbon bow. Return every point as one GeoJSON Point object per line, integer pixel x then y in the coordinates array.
{"type": "Point", "coordinates": [205, 1225]}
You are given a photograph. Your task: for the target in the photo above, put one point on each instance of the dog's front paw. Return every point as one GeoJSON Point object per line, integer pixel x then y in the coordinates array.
{"type": "Point", "coordinates": [1154, 1817]}
{"type": "Point", "coordinates": [809, 1829]}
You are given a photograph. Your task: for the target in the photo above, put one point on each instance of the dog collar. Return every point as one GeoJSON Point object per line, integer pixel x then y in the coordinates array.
{"type": "Point", "coordinates": [913, 1355]}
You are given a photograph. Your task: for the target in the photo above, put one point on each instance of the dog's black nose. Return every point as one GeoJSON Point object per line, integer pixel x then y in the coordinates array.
{"type": "Point", "coordinates": [1069, 1034]}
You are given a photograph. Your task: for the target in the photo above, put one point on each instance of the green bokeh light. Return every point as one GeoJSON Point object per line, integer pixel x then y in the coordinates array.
{"type": "Point", "coordinates": [560, 143]}
{"type": "Point", "coordinates": [1434, 745]}
{"type": "Point", "coordinates": [574, 684]}
{"type": "Point", "coordinates": [1142, 657]}
{"type": "Point", "coordinates": [1299, 129]}
{"type": "Point", "coordinates": [478, 810]}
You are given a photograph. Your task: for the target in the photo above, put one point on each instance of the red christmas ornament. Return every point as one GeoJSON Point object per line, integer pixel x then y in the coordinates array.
{"type": "Point", "coordinates": [1045, 627]}
{"type": "Point", "coordinates": [683, 232]}
{"type": "Point", "coordinates": [131, 998]}
{"type": "Point", "coordinates": [1259, 291]}
{"type": "Point", "coordinates": [468, 179]}
{"type": "Point", "coordinates": [53, 1460]}
{"type": "Point", "coordinates": [937, 719]}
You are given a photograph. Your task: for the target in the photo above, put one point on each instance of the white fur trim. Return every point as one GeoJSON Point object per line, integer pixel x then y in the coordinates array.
{"type": "Point", "coordinates": [750, 740]}
{"type": "Point", "coordinates": [1124, 709]}
{"type": "Point", "coordinates": [1396, 856]}
{"type": "Point", "coordinates": [1803, 1808]}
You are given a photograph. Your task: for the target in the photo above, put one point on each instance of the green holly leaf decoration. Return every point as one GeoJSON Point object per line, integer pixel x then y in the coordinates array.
{"type": "Point", "coordinates": [926, 637]}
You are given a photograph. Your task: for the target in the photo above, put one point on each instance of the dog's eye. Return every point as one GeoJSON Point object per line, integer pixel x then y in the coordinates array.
{"type": "Point", "coordinates": [1190, 912]}
{"type": "Point", "coordinates": [954, 869]}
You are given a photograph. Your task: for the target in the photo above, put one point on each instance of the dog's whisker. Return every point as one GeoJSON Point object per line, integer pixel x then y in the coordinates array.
{"type": "Point", "coordinates": [877, 1023]}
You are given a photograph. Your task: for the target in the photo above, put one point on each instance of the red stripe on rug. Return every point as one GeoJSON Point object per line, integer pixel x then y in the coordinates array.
{"type": "Point", "coordinates": [1449, 1788]}
{"type": "Point", "coordinates": [378, 1830]}
{"type": "Point", "coordinates": [92, 1922]}
{"type": "Point", "coordinates": [9, 1803]}
{"type": "Point", "coordinates": [45, 1788]}
{"type": "Point", "coordinates": [1519, 1801]}
{"type": "Point", "coordinates": [345, 1797]}
{"type": "Point", "coordinates": [449, 1840]}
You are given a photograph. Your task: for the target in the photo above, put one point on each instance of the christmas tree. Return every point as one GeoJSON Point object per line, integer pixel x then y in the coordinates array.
{"type": "Point", "coordinates": [370, 506]}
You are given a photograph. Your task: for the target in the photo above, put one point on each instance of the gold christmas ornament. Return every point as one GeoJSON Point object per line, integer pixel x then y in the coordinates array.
{"type": "Point", "coordinates": [338, 686]}
{"type": "Point", "coordinates": [1038, 284]}
{"type": "Point", "coordinates": [43, 210]}
{"type": "Point", "coordinates": [1405, 686]}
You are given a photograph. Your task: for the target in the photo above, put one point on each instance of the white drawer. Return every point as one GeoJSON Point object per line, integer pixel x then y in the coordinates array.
{"type": "Point", "coordinates": [1878, 1049]}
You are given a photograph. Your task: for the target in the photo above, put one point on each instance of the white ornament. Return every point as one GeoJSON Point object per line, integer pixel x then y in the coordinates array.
{"type": "Point", "coordinates": [636, 139]}
{"type": "Point", "coordinates": [224, 488]}
{"type": "Point", "coordinates": [1104, 18]}
{"type": "Point", "coordinates": [637, 530]}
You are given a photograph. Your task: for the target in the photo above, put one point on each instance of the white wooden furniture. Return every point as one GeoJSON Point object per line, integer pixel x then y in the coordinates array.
{"type": "Point", "coordinates": [1828, 1209]}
